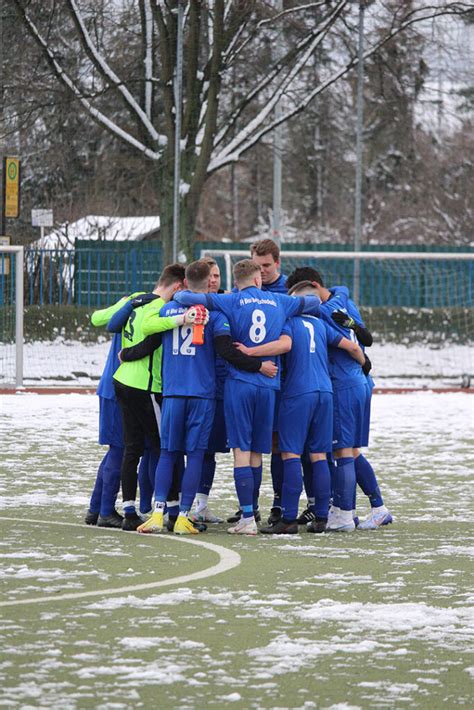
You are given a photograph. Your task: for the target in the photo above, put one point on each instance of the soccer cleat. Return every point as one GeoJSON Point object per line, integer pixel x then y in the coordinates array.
{"type": "Point", "coordinates": [245, 526]}
{"type": "Point", "coordinates": [317, 526]}
{"type": "Point", "coordinates": [306, 517]}
{"type": "Point", "coordinates": [206, 516]}
{"type": "Point", "coordinates": [235, 518]}
{"type": "Point", "coordinates": [170, 522]}
{"type": "Point", "coordinates": [131, 522]}
{"type": "Point", "coordinates": [340, 520]}
{"type": "Point", "coordinates": [275, 515]}
{"type": "Point", "coordinates": [184, 526]}
{"type": "Point", "coordinates": [114, 520]}
{"type": "Point", "coordinates": [376, 520]}
{"type": "Point", "coordinates": [91, 518]}
{"type": "Point", "coordinates": [356, 520]}
{"type": "Point", "coordinates": [282, 527]}
{"type": "Point", "coordinates": [154, 524]}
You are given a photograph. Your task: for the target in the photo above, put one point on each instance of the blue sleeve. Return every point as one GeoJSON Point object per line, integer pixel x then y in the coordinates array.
{"type": "Point", "coordinates": [118, 320]}
{"type": "Point", "coordinates": [186, 298]}
{"type": "Point", "coordinates": [311, 305]}
{"type": "Point", "coordinates": [221, 325]}
{"type": "Point", "coordinates": [287, 329]}
{"type": "Point", "coordinates": [333, 337]}
{"type": "Point", "coordinates": [343, 290]}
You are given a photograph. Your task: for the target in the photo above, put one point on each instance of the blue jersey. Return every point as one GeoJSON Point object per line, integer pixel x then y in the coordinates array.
{"type": "Point", "coordinates": [256, 317]}
{"type": "Point", "coordinates": [190, 370]}
{"type": "Point", "coordinates": [278, 286]}
{"type": "Point", "coordinates": [344, 370]}
{"type": "Point", "coordinates": [307, 366]}
{"type": "Point", "coordinates": [354, 313]}
{"type": "Point", "coordinates": [106, 383]}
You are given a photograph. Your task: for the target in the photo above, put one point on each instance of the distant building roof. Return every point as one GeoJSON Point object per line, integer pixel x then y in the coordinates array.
{"type": "Point", "coordinates": [100, 228]}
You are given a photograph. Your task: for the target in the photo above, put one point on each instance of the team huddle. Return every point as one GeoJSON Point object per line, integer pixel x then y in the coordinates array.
{"type": "Point", "coordinates": [275, 366]}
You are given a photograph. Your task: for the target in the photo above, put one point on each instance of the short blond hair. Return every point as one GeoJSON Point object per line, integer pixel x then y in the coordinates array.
{"type": "Point", "coordinates": [244, 271]}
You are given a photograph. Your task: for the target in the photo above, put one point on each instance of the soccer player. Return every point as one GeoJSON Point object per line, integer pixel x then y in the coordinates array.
{"type": "Point", "coordinates": [138, 386]}
{"type": "Point", "coordinates": [189, 388]}
{"type": "Point", "coordinates": [218, 435]}
{"type": "Point", "coordinates": [255, 317]}
{"type": "Point", "coordinates": [266, 253]}
{"type": "Point", "coordinates": [365, 474]}
{"type": "Point", "coordinates": [306, 414]}
{"type": "Point", "coordinates": [350, 394]}
{"type": "Point", "coordinates": [102, 510]}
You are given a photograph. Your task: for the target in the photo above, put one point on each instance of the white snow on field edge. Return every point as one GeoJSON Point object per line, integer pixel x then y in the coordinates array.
{"type": "Point", "coordinates": [394, 365]}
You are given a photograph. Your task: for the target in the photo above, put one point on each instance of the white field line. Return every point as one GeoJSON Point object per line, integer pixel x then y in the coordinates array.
{"type": "Point", "coordinates": [228, 559]}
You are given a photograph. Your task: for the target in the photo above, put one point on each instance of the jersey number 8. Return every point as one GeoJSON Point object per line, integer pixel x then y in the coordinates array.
{"type": "Point", "coordinates": [258, 331]}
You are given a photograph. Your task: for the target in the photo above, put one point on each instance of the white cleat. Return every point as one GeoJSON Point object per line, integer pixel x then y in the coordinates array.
{"type": "Point", "coordinates": [340, 520]}
{"type": "Point", "coordinates": [205, 515]}
{"type": "Point", "coordinates": [245, 526]}
{"type": "Point", "coordinates": [377, 518]}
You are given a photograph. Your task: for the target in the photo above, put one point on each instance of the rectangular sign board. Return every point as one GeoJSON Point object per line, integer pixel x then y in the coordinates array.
{"type": "Point", "coordinates": [11, 189]}
{"type": "Point", "coordinates": [42, 218]}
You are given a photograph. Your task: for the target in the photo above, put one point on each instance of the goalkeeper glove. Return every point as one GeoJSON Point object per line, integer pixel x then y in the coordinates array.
{"type": "Point", "coordinates": [343, 319]}
{"type": "Point", "coordinates": [143, 300]}
{"type": "Point", "coordinates": [196, 315]}
{"type": "Point", "coordinates": [367, 366]}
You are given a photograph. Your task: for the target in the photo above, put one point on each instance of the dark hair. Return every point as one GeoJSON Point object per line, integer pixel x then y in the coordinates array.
{"type": "Point", "coordinates": [197, 273]}
{"type": "Point", "coordinates": [303, 273]}
{"type": "Point", "coordinates": [171, 274]}
{"type": "Point", "coordinates": [264, 247]}
{"type": "Point", "coordinates": [301, 286]}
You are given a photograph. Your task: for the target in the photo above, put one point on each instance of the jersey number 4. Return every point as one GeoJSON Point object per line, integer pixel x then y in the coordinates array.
{"type": "Point", "coordinates": [185, 334]}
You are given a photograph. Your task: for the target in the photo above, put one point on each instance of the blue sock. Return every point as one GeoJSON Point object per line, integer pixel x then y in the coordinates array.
{"type": "Point", "coordinates": [257, 482]}
{"type": "Point", "coordinates": [243, 478]}
{"type": "Point", "coordinates": [276, 470]}
{"type": "Point", "coordinates": [191, 478]}
{"type": "Point", "coordinates": [207, 474]}
{"type": "Point", "coordinates": [94, 503]}
{"type": "Point", "coordinates": [367, 480]}
{"type": "Point", "coordinates": [332, 471]}
{"type": "Point", "coordinates": [164, 474]}
{"type": "Point", "coordinates": [292, 487]}
{"type": "Point", "coordinates": [111, 480]}
{"type": "Point", "coordinates": [344, 483]}
{"type": "Point", "coordinates": [172, 510]}
{"type": "Point", "coordinates": [321, 487]}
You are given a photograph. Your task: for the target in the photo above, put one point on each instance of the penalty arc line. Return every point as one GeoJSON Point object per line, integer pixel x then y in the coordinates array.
{"type": "Point", "coordinates": [228, 560]}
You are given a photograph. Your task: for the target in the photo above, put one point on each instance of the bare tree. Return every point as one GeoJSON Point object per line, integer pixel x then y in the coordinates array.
{"type": "Point", "coordinates": [117, 62]}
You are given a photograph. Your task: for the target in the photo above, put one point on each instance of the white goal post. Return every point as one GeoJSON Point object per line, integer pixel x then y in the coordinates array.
{"type": "Point", "coordinates": [227, 255]}
{"type": "Point", "coordinates": [17, 252]}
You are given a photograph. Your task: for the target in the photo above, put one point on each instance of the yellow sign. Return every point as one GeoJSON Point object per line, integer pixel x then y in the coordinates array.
{"type": "Point", "coordinates": [12, 187]}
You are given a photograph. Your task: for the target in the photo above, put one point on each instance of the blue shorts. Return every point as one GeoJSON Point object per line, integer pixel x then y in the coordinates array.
{"type": "Point", "coordinates": [349, 417]}
{"type": "Point", "coordinates": [110, 423]}
{"type": "Point", "coordinates": [368, 400]}
{"type": "Point", "coordinates": [218, 437]}
{"type": "Point", "coordinates": [276, 409]}
{"type": "Point", "coordinates": [186, 423]}
{"type": "Point", "coordinates": [249, 416]}
{"type": "Point", "coordinates": [305, 422]}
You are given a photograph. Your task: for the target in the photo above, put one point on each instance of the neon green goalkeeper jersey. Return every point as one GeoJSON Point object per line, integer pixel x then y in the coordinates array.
{"type": "Point", "coordinates": [144, 374]}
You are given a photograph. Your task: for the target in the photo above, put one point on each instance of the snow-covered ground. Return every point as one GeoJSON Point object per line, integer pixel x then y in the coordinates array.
{"type": "Point", "coordinates": [74, 363]}
{"type": "Point", "coordinates": [380, 619]}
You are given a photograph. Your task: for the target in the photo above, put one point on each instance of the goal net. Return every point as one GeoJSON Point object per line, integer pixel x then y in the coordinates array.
{"type": "Point", "coordinates": [418, 305]}
{"type": "Point", "coordinates": [11, 316]}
